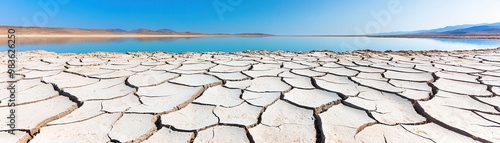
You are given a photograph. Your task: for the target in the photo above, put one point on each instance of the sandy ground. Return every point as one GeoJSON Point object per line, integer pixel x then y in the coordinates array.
{"type": "Point", "coordinates": [255, 96]}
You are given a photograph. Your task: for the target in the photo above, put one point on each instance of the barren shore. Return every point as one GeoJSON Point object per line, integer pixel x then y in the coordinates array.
{"type": "Point", "coordinates": [254, 96]}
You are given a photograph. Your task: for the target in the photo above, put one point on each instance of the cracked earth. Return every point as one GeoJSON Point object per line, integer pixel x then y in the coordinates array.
{"type": "Point", "coordinates": [255, 96]}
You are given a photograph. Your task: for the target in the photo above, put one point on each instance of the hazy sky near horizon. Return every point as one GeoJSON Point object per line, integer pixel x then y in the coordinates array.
{"type": "Point", "coordinates": [240, 16]}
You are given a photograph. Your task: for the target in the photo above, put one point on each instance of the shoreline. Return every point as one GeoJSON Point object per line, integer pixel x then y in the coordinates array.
{"type": "Point", "coordinates": [235, 35]}
{"type": "Point", "coordinates": [264, 52]}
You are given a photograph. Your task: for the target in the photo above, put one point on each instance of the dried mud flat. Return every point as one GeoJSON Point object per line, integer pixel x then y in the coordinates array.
{"type": "Point", "coordinates": [255, 96]}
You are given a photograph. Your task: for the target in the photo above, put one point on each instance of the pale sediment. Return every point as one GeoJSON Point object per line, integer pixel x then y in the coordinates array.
{"type": "Point", "coordinates": [255, 96]}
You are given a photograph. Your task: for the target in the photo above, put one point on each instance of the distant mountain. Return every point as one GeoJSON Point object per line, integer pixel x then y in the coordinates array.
{"type": "Point", "coordinates": [118, 30]}
{"type": "Point", "coordinates": [165, 30]}
{"type": "Point", "coordinates": [78, 31]}
{"type": "Point", "coordinates": [467, 29]}
{"type": "Point", "coordinates": [475, 30]}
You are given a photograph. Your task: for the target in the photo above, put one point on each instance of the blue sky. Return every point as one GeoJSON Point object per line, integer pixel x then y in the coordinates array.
{"type": "Point", "coordinates": [265, 16]}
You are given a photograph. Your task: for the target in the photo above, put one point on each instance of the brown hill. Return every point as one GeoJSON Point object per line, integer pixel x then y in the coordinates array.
{"type": "Point", "coordinates": [75, 31]}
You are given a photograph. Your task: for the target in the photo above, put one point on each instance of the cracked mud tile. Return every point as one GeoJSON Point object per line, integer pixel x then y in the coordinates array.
{"type": "Point", "coordinates": [457, 76]}
{"type": "Point", "coordinates": [150, 78]}
{"type": "Point", "coordinates": [168, 89]}
{"type": "Point", "coordinates": [374, 76]}
{"type": "Point", "coordinates": [437, 133]}
{"type": "Point", "coordinates": [228, 69]}
{"type": "Point", "coordinates": [65, 80]}
{"type": "Point", "coordinates": [190, 118]}
{"type": "Point", "coordinates": [268, 84]}
{"type": "Point", "coordinates": [341, 123]}
{"type": "Point", "coordinates": [18, 137]}
{"type": "Point", "coordinates": [191, 72]}
{"type": "Point", "coordinates": [235, 63]}
{"type": "Point", "coordinates": [32, 74]}
{"type": "Point", "coordinates": [363, 62]}
{"type": "Point", "coordinates": [456, 68]}
{"type": "Point", "coordinates": [244, 114]}
{"type": "Point", "coordinates": [308, 61]}
{"type": "Point", "coordinates": [332, 65]}
{"type": "Point", "coordinates": [460, 102]}
{"type": "Point", "coordinates": [32, 116]}
{"type": "Point", "coordinates": [377, 84]}
{"type": "Point", "coordinates": [88, 70]}
{"type": "Point", "coordinates": [87, 111]}
{"type": "Point", "coordinates": [264, 73]}
{"type": "Point", "coordinates": [263, 67]}
{"type": "Point", "coordinates": [282, 112]}
{"type": "Point", "coordinates": [195, 67]}
{"type": "Point", "coordinates": [268, 60]}
{"type": "Point", "coordinates": [307, 72]}
{"type": "Point", "coordinates": [4, 77]}
{"type": "Point", "coordinates": [492, 58]}
{"type": "Point", "coordinates": [316, 99]}
{"type": "Point", "coordinates": [335, 79]}
{"type": "Point", "coordinates": [166, 135]}
{"type": "Point", "coordinates": [423, 77]}
{"type": "Point", "coordinates": [367, 69]}
{"type": "Point", "coordinates": [133, 128]}
{"type": "Point", "coordinates": [31, 64]}
{"type": "Point", "coordinates": [413, 90]}
{"type": "Point", "coordinates": [94, 92]}
{"type": "Point", "coordinates": [293, 65]}
{"type": "Point", "coordinates": [389, 134]}
{"type": "Point", "coordinates": [492, 73]}
{"type": "Point", "coordinates": [197, 80]}
{"type": "Point", "coordinates": [86, 62]}
{"type": "Point", "coordinates": [289, 74]}
{"type": "Point", "coordinates": [284, 133]}
{"type": "Point", "coordinates": [260, 99]}
{"type": "Point", "coordinates": [238, 84]}
{"type": "Point", "coordinates": [48, 67]}
{"type": "Point", "coordinates": [58, 60]}
{"type": "Point", "coordinates": [427, 68]}
{"type": "Point", "coordinates": [221, 134]}
{"type": "Point", "coordinates": [462, 87]}
{"type": "Point", "coordinates": [490, 80]}
{"type": "Point", "coordinates": [395, 68]}
{"type": "Point", "coordinates": [121, 104]}
{"type": "Point", "coordinates": [115, 74]}
{"type": "Point", "coordinates": [93, 130]}
{"type": "Point", "coordinates": [121, 66]}
{"type": "Point", "coordinates": [300, 82]}
{"type": "Point", "coordinates": [140, 68]}
{"type": "Point", "coordinates": [456, 111]}
{"type": "Point", "coordinates": [490, 117]}
{"type": "Point", "coordinates": [35, 94]}
{"type": "Point", "coordinates": [152, 62]}
{"type": "Point", "coordinates": [164, 98]}
{"type": "Point", "coordinates": [25, 84]}
{"type": "Point", "coordinates": [494, 101]}
{"type": "Point", "coordinates": [387, 108]}
{"type": "Point", "coordinates": [166, 67]}
{"type": "Point", "coordinates": [220, 96]}
{"type": "Point", "coordinates": [235, 76]}
{"type": "Point", "coordinates": [346, 62]}
{"type": "Point", "coordinates": [405, 64]}
{"type": "Point", "coordinates": [348, 89]}
{"type": "Point", "coordinates": [337, 71]}
{"type": "Point", "coordinates": [411, 85]}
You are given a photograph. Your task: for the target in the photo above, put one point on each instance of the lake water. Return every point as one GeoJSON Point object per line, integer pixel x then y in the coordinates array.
{"type": "Point", "coordinates": [234, 44]}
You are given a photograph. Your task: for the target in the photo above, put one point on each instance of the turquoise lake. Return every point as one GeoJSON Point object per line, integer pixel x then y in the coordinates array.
{"type": "Point", "coordinates": [235, 44]}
